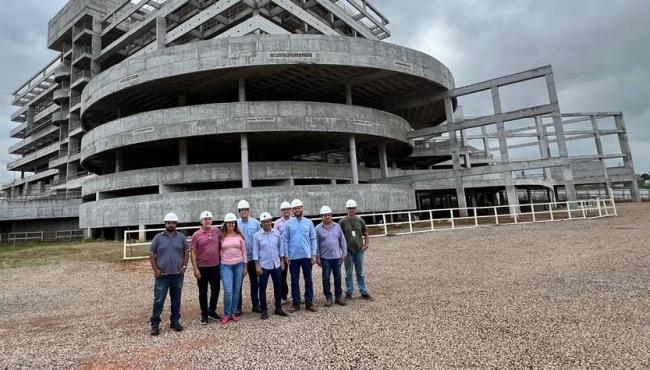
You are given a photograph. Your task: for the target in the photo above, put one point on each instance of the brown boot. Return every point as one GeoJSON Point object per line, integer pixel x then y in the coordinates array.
{"type": "Point", "coordinates": [328, 303]}
{"type": "Point", "coordinates": [294, 308]}
{"type": "Point", "coordinates": [340, 302]}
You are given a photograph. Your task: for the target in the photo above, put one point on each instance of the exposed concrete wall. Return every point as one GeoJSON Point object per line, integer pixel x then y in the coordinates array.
{"type": "Point", "coordinates": [150, 209]}
{"type": "Point", "coordinates": [39, 209]}
{"type": "Point", "coordinates": [216, 172]}
{"type": "Point", "coordinates": [265, 50]}
{"type": "Point", "coordinates": [229, 118]}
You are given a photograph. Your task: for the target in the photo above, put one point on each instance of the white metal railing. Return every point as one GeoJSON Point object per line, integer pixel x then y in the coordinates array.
{"type": "Point", "coordinates": [41, 236]}
{"type": "Point", "coordinates": [421, 221]}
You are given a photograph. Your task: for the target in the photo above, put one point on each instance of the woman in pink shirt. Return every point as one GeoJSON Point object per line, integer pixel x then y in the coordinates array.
{"type": "Point", "coordinates": [233, 262]}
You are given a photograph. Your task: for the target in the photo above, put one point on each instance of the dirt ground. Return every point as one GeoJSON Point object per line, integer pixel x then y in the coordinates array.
{"type": "Point", "coordinates": [561, 294]}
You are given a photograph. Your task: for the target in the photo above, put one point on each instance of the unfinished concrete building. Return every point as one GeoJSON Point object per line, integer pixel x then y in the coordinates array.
{"type": "Point", "coordinates": [185, 105]}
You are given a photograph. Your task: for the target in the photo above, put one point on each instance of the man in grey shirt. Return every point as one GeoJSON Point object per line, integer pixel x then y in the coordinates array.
{"type": "Point", "coordinates": [168, 255]}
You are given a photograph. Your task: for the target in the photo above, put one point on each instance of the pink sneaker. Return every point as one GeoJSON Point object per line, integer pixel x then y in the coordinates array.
{"type": "Point", "coordinates": [224, 320]}
{"type": "Point", "coordinates": [234, 318]}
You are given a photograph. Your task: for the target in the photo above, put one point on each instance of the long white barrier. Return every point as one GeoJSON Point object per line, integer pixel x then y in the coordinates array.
{"type": "Point", "coordinates": [421, 221]}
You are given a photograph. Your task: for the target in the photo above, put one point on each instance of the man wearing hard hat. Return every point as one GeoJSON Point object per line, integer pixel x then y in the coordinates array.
{"type": "Point", "coordinates": [332, 250]}
{"type": "Point", "coordinates": [268, 257]}
{"type": "Point", "coordinates": [248, 226]}
{"type": "Point", "coordinates": [356, 235]}
{"type": "Point", "coordinates": [285, 213]}
{"type": "Point", "coordinates": [168, 255]}
{"type": "Point", "coordinates": [299, 243]}
{"type": "Point", "coordinates": [205, 254]}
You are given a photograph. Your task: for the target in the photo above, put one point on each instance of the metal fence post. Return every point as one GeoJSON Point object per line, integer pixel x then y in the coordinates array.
{"type": "Point", "coordinates": [383, 216]}
{"type": "Point", "coordinates": [431, 219]}
{"type": "Point", "coordinates": [496, 215]}
{"type": "Point", "coordinates": [453, 225]}
{"type": "Point", "coordinates": [410, 223]}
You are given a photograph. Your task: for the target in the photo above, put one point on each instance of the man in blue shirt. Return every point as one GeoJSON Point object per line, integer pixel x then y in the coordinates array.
{"type": "Point", "coordinates": [248, 226]}
{"type": "Point", "coordinates": [168, 255]}
{"type": "Point", "coordinates": [299, 243]}
{"type": "Point", "coordinates": [268, 257]}
{"type": "Point", "coordinates": [332, 250]}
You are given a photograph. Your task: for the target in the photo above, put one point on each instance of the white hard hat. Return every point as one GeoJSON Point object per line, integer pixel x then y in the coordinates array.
{"type": "Point", "coordinates": [243, 205]}
{"type": "Point", "coordinates": [171, 217]}
{"type": "Point", "coordinates": [351, 204]}
{"type": "Point", "coordinates": [229, 217]}
{"type": "Point", "coordinates": [296, 203]}
{"type": "Point", "coordinates": [265, 216]}
{"type": "Point", "coordinates": [325, 210]}
{"type": "Point", "coordinates": [285, 205]}
{"type": "Point", "coordinates": [206, 214]}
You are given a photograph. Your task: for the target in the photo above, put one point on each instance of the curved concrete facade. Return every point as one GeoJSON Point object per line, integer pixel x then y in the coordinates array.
{"type": "Point", "coordinates": [221, 172]}
{"type": "Point", "coordinates": [149, 209]}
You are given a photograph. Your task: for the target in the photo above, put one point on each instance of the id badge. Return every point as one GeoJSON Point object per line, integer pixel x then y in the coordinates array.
{"type": "Point", "coordinates": [354, 233]}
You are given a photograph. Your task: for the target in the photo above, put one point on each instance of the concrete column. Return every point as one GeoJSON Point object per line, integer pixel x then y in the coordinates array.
{"type": "Point", "coordinates": [182, 152]}
{"type": "Point", "coordinates": [529, 195]}
{"type": "Point", "coordinates": [348, 94]}
{"type": "Point", "coordinates": [27, 188]}
{"type": "Point", "coordinates": [242, 90]}
{"type": "Point", "coordinates": [88, 233]}
{"type": "Point", "coordinates": [142, 236]}
{"type": "Point", "coordinates": [118, 161]}
{"type": "Point", "coordinates": [544, 151]}
{"type": "Point", "coordinates": [511, 191]}
{"type": "Point", "coordinates": [30, 117]}
{"type": "Point", "coordinates": [161, 32]}
{"type": "Point", "coordinates": [599, 149]}
{"type": "Point", "coordinates": [472, 199]}
{"type": "Point", "coordinates": [567, 172]}
{"type": "Point", "coordinates": [383, 161]}
{"type": "Point", "coordinates": [292, 181]}
{"type": "Point", "coordinates": [96, 46]}
{"type": "Point", "coordinates": [245, 174]}
{"type": "Point", "coordinates": [353, 160]}
{"type": "Point", "coordinates": [627, 155]}
{"type": "Point", "coordinates": [455, 157]}
{"type": "Point", "coordinates": [333, 181]}
{"type": "Point", "coordinates": [393, 166]}
{"type": "Point", "coordinates": [486, 143]}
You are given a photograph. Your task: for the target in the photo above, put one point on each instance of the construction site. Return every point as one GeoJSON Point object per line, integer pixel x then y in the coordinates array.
{"type": "Point", "coordinates": [185, 105]}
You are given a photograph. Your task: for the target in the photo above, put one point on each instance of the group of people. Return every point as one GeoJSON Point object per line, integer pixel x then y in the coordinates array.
{"type": "Point", "coordinates": [262, 250]}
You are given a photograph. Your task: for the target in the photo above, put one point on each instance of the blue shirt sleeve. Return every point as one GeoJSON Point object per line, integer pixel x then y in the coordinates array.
{"type": "Point", "coordinates": [312, 239]}
{"type": "Point", "coordinates": [256, 249]}
{"type": "Point", "coordinates": [153, 247]}
{"type": "Point", "coordinates": [284, 240]}
{"type": "Point", "coordinates": [342, 242]}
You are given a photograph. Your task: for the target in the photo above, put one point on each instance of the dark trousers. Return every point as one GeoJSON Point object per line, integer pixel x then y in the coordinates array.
{"type": "Point", "coordinates": [285, 286]}
{"type": "Point", "coordinates": [209, 276]}
{"type": "Point", "coordinates": [174, 285]}
{"type": "Point", "coordinates": [331, 267]}
{"type": "Point", "coordinates": [295, 266]}
{"type": "Point", "coordinates": [276, 275]}
{"type": "Point", "coordinates": [254, 281]}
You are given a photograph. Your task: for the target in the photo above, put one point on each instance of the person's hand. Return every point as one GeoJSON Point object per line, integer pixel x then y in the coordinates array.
{"type": "Point", "coordinates": [365, 247]}
{"type": "Point", "coordinates": [183, 268]}
{"type": "Point", "coordinates": [313, 261]}
{"type": "Point", "coordinates": [342, 260]}
{"type": "Point", "coordinates": [245, 270]}
{"type": "Point", "coordinates": [197, 273]}
{"type": "Point", "coordinates": [258, 270]}
{"type": "Point", "coordinates": [282, 265]}
{"type": "Point", "coordinates": [157, 273]}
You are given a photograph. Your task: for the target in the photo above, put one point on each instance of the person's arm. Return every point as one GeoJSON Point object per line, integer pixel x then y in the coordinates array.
{"type": "Point", "coordinates": [366, 237]}
{"type": "Point", "coordinates": [281, 252]}
{"type": "Point", "coordinates": [319, 245]}
{"type": "Point", "coordinates": [153, 248]}
{"type": "Point", "coordinates": [343, 244]}
{"type": "Point", "coordinates": [256, 255]}
{"type": "Point", "coordinates": [195, 267]}
{"type": "Point", "coordinates": [186, 255]}
{"type": "Point", "coordinates": [284, 241]}
{"type": "Point", "coordinates": [313, 244]}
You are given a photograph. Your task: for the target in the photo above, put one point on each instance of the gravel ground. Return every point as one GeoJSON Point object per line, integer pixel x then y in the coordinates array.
{"type": "Point", "coordinates": [563, 294]}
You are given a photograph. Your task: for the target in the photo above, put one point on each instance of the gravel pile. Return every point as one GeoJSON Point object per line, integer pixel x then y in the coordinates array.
{"type": "Point", "coordinates": [564, 294]}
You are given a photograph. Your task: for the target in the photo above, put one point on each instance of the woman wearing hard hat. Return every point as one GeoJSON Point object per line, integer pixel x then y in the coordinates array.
{"type": "Point", "coordinates": [233, 266]}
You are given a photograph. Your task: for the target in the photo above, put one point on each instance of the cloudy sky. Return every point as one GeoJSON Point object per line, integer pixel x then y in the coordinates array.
{"type": "Point", "coordinates": [599, 50]}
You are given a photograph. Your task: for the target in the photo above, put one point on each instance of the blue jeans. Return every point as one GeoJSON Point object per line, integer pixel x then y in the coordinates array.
{"type": "Point", "coordinates": [276, 276]}
{"type": "Point", "coordinates": [231, 277]}
{"type": "Point", "coordinates": [355, 259]}
{"type": "Point", "coordinates": [294, 267]}
{"type": "Point", "coordinates": [163, 284]}
{"type": "Point", "coordinates": [331, 267]}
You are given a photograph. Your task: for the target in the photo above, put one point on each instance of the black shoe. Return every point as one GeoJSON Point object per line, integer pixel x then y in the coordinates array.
{"type": "Point", "coordinates": [238, 312]}
{"type": "Point", "coordinates": [214, 316]}
{"type": "Point", "coordinates": [367, 297]}
{"type": "Point", "coordinates": [155, 331]}
{"type": "Point", "coordinates": [310, 307]}
{"type": "Point", "coordinates": [257, 309]}
{"type": "Point", "coordinates": [264, 315]}
{"type": "Point", "coordinates": [204, 320]}
{"type": "Point", "coordinates": [294, 308]}
{"type": "Point", "coordinates": [176, 327]}
{"type": "Point", "coordinates": [348, 296]}
{"type": "Point", "coordinates": [328, 303]}
{"type": "Point", "coordinates": [340, 302]}
{"type": "Point", "coordinates": [280, 312]}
